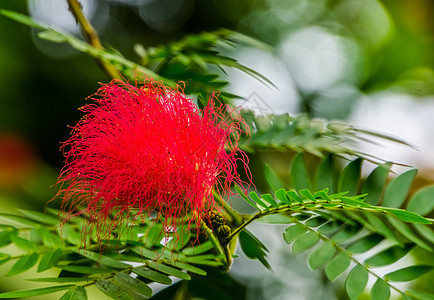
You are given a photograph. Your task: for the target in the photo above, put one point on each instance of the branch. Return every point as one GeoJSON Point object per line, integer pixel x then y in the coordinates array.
{"type": "Point", "coordinates": [91, 37]}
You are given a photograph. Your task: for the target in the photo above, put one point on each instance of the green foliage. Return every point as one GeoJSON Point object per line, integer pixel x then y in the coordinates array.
{"type": "Point", "coordinates": [333, 217]}
{"type": "Point", "coordinates": [253, 247]}
{"type": "Point", "coordinates": [189, 60]}
{"type": "Point", "coordinates": [36, 292]}
{"type": "Point", "coordinates": [109, 271]}
{"type": "Point", "coordinates": [339, 227]}
{"type": "Point", "coordinates": [304, 135]}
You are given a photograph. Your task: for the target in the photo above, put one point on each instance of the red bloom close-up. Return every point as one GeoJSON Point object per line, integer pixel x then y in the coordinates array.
{"type": "Point", "coordinates": [150, 149]}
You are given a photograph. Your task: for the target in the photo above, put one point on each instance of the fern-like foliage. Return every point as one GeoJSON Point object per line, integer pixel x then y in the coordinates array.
{"type": "Point", "coordinates": [130, 261]}
{"type": "Point", "coordinates": [304, 135]}
{"type": "Point", "coordinates": [188, 60]}
{"type": "Point", "coordinates": [345, 225]}
{"type": "Point", "coordinates": [191, 60]}
{"type": "Point", "coordinates": [337, 217]}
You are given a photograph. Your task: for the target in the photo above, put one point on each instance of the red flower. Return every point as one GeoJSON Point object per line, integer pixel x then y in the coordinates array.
{"type": "Point", "coordinates": [149, 149]}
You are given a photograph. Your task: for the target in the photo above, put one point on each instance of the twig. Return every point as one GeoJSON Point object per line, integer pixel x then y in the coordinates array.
{"type": "Point", "coordinates": [91, 37]}
{"type": "Point", "coordinates": [212, 238]}
{"type": "Point", "coordinates": [228, 257]}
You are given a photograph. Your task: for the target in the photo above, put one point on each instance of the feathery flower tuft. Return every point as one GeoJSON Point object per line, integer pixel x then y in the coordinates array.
{"type": "Point", "coordinates": [144, 149]}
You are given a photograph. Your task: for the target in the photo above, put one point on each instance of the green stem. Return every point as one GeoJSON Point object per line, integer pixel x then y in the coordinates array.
{"type": "Point", "coordinates": [257, 216]}
{"type": "Point", "coordinates": [91, 37]}
{"type": "Point", "coordinates": [298, 207]}
{"type": "Point", "coordinates": [212, 238]}
{"type": "Point", "coordinates": [228, 256]}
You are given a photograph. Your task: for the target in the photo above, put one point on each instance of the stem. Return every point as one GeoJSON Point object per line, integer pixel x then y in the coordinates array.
{"type": "Point", "coordinates": [212, 238]}
{"type": "Point", "coordinates": [257, 216]}
{"type": "Point", "coordinates": [91, 37]}
{"type": "Point", "coordinates": [228, 256]}
{"type": "Point", "coordinates": [297, 207]}
{"type": "Point", "coordinates": [221, 248]}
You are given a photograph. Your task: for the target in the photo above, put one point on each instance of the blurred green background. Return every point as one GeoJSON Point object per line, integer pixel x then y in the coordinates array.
{"type": "Point", "coordinates": [368, 62]}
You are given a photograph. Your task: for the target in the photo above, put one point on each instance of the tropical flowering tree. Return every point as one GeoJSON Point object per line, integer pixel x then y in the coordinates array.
{"type": "Point", "coordinates": [149, 172]}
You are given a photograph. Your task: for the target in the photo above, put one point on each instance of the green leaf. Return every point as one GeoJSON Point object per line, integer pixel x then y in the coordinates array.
{"type": "Point", "coordinates": [188, 268]}
{"type": "Point", "coordinates": [409, 273]}
{"type": "Point", "coordinates": [180, 240]}
{"type": "Point", "coordinates": [307, 194]}
{"type": "Point", "coordinates": [350, 177]}
{"type": "Point", "coordinates": [379, 226]}
{"type": "Point", "coordinates": [62, 279]}
{"type": "Point", "coordinates": [71, 235]}
{"type": "Point", "coordinates": [111, 290]}
{"type": "Point", "coordinates": [408, 233]}
{"type": "Point", "coordinates": [325, 174]}
{"type": "Point", "coordinates": [6, 234]}
{"type": "Point", "coordinates": [49, 259]}
{"type": "Point", "coordinates": [366, 243]}
{"type": "Point", "coordinates": [143, 252]}
{"type": "Point", "coordinates": [133, 283]}
{"type": "Point", "coordinates": [407, 216]}
{"type": "Point", "coordinates": [52, 36]}
{"type": "Point", "coordinates": [241, 193]}
{"type": "Point", "coordinates": [337, 266]}
{"type": "Point", "coordinates": [24, 244]}
{"type": "Point", "coordinates": [19, 220]}
{"type": "Point", "coordinates": [75, 293]}
{"type": "Point", "coordinates": [398, 188]}
{"type": "Point", "coordinates": [40, 217]}
{"type": "Point", "coordinates": [152, 275]}
{"type": "Point", "coordinates": [199, 249]}
{"type": "Point", "coordinates": [50, 239]}
{"type": "Point", "coordinates": [4, 258]}
{"type": "Point", "coordinates": [419, 295]}
{"type": "Point", "coordinates": [22, 19]}
{"type": "Point", "coordinates": [299, 176]}
{"type": "Point", "coordinates": [272, 179]}
{"type": "Point", "coordinates": [154, 235]}
{"type": "Point", "coordinates": [275, 219]}
{"type": "Point", "coordinates": [380, 290]}
{"type": "Point", "coordinates": [329, 227]}
{"type": "Point", "coordinates": [356, 282]}
{"type": "Point", "coordinates": [34, 292]}
{"type": "Point", "coordinates": [292, 232]}
{"type": "Point", "coordinates": [345, 234]}
{"type": "Point", "coordinates": [168, 270]}
{"type": "Point", "coordinates": [206, 259]}
{"type": "Point", "coordinates": [316, 221]}
{"type": "Point", "coordinates": [305, 242]}
{"type": "Point", "coordinates": [110, 262]}
{"type": "Point", "coordinates": [389, 256]}
{"type": "Point", "coordinates": [281, 195]}
{"type": "Point", "coordinates": [85, 270]}
{"type": "Point", "coordinates": [257, 200]}
{"type": "Point", "coordinates": [253, 247]}
{"type": "Point", "coordinates": [23, 264]}
{"type": "Point", "coordinates": [375, 183]}
{"type": "Point", "coordinates": [269, 199]}
{"type": "Point", "coordinates": [321, 255]}
{"type": "Point", "coordinates": [422, 202]}
{"type": "Point", "coordinates": [425, 231]}
{"type": "Point", "coordinates": [293, 196]}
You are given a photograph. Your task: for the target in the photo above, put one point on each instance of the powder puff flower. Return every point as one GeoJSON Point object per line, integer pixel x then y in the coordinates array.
{"type": "Point", "coordinates": [143, 149]}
